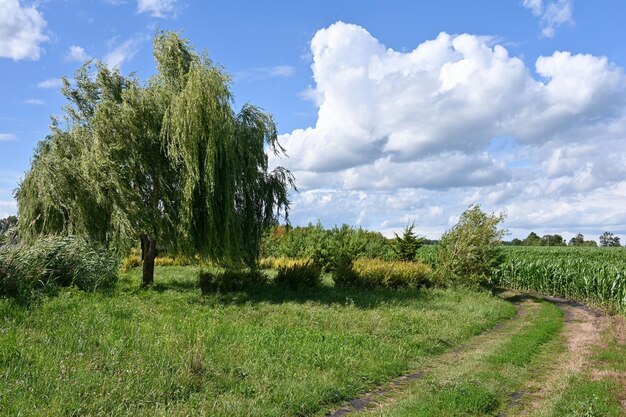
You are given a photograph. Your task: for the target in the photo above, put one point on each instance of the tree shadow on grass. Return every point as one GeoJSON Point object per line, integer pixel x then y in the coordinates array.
{"type": "Point", "coordinates": [274, 294]}
{"type": "Point", "coordinates": [326, 295]}
{"type": "Point", "coordinates": [175, 285]}
{"type": "Point", "coordinates": [177, 280]}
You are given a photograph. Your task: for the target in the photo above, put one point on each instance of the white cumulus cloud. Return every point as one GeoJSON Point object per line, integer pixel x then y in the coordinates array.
{"type": "Point", "coordinates": [156, 8]}
{"type": "Point", "coordinates": [121, 52]}
{"type": "Point", "coordinates": [21, 31]}
{"type": "Point", "coordinates": [77, 53]}
{"type": "Point", "coordinates": [551, 15]}
{"type": "Point", "coordinates": [459, 120]}
{"type": "Point", "coordinates": [535, 5]}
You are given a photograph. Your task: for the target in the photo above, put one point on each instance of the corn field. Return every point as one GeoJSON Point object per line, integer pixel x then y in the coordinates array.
{"type": "Point", "coordinates": [592, 275]}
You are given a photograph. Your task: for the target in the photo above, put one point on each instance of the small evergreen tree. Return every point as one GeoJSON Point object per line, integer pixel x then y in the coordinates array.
{"type": "Point", "coordinates": [405, 247]}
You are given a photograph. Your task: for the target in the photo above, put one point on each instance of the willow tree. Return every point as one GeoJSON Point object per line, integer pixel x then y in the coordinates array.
{"type": "Point", "coordinates": [167, 163]}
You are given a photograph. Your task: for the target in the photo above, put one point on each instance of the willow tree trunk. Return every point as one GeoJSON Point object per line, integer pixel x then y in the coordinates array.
{"type": "Point", "coordinates": [148, 253]}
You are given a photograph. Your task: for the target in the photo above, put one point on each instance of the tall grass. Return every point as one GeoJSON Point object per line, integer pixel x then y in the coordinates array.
{"type": "Point", "coordinates": [171, 351]}
{"type": "Point", "coordinates": [55, 261]}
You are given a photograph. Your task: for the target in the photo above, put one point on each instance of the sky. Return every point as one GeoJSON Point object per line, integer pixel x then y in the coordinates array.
{"type": "Point", "coordinates": [390, 112]}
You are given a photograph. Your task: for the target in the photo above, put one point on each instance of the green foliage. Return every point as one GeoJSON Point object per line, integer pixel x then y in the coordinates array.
{"type": "Point", "coordinates": [276, 263]}
{"type": "Point", "coordinates": [342, 247]}
{"type": "Point", "coordinates": [405, 247]}
{"type": "Point", "coordinates": [299, 275]}
{"type": "Point", "coordinates": [428, 254]}
{"type": "Point", "coordinates": [469, 252]}
{"type": "Point", "coordinates": [552, 240]}
{"type": "Point", "coordinates": [228, 280]}
{"type": "Point", "coordinates": [165, 161]}
{"type": "Point", "coordinates": [608, 239]}
{"type": "Point", "coordinates": [390, 274]}
{"type": "Point", "coordinates": [130, 262]}
{"type": "Point", "coordinates": [532, 239]}
{"type": "Point", "coordinates": [345, 276]}
{"type": "Point", "coordinates": [328, 247]}
{"type": "Point", "coordinates": [55, 261]}
{"type": "Point", "coordinates": [579, 240]}
{"type": "Point", "coordinates": [592, 275]}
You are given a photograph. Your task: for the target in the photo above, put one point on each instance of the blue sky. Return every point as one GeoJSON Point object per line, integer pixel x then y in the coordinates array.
{"type": "Point", "coordinates": [390, 111]}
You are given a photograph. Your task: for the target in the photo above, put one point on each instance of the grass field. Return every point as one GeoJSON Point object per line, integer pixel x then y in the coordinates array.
{"type": "Point", "coordinates": [270, 352]}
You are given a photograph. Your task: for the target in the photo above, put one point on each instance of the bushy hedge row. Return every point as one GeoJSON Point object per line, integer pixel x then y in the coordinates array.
{"type": "Point", "coordinates": [326, 246]}
{"type": "Point", "coordinates": [277, 263]}
{"type": "Point", "coordinates": [55, 261]}
{"type": "Point", "coordinates": [299, 275]}
{"type": "Point", "coordinates": [379, 273]}
{"type": "Point", "coordinates": [226, 280]}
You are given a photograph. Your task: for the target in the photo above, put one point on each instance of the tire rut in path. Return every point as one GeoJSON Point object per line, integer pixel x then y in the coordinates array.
{"type": "Point", "coordinates": [375, 396]}
{"type": "Point", "coordinates": [584, 327]}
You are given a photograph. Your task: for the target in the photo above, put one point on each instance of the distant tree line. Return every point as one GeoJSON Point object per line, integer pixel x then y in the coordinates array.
{"type": "Point", "coordinates": [607, 239]}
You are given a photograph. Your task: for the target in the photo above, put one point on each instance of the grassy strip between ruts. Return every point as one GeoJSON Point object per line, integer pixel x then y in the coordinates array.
{"type": "Point", "coordinates": [485, 378]}
{"type": "Point", "coordinates": [267, 352]}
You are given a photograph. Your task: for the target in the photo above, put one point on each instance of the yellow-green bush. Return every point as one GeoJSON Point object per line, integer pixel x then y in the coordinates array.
{"type": "Point", "coordinates": [299, 275]}
{"type": "Point", "coordinates": [130, 262]}
{"type": "Point", "coordinates": [379, 273]}
{"type": "Point", "coordinates": [345, 275]}
{"type": "Point", "coordinates": [277, 263]}
{"type": "Point", "coordinates": [134, 261]}
{"type": "Point", "coordinates": [227, 280]}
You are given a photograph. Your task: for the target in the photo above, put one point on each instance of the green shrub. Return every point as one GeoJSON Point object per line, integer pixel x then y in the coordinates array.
{"type": "Point", "coordinates": [345, 275]}
{"type": "Point", "coordinates": [341, 247]}
{"type": "Point", "coordinates": [228, 280]}
{"type": "Point", "coordinates": [405, 247]}
{"type": "Point", "coordinates": [276, 263]}
{"type": "Point", "coordinates": [130, 262]}
{"type": "Point", "coordinates": [55, 261]}
{"type": "Point", "coordinates": [397, 274]}
{"type": "Point", "coordinates": [313, 241]}
{"type": "Point", "coordinates": [303, 275]}
{"type": "Point", "coordinates": [469, 253]}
